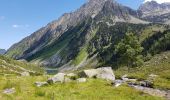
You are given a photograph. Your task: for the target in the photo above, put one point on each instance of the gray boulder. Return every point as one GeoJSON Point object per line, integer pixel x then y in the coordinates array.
{"type": "Point", "coordinates": [102, 73]}
{"type": "Point", "coordinates": [39, 84]}
{"type": "Point", "coordinates": [81, 80]}
{"type": "Point", "coordinates": [60, 77]}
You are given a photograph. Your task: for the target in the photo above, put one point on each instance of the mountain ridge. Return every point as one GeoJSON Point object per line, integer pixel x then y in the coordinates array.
{"type": "Point", "coordinates": [67, 40]}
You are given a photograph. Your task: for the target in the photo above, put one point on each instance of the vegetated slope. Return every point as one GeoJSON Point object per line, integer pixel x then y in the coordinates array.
{"type": "Point", "coordinates": [158, 65]}
{"type": "Point", "coordinates": [10, 66]}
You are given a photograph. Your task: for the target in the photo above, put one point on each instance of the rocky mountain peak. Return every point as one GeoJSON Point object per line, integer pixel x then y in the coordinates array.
{"type": "Point", "coordinates": [153, 8]}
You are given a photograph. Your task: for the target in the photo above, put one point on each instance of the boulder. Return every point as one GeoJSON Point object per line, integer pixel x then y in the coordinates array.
{"type": "Point", "coordinates": [102, 73]}
{"type": "Point", "coordinates": [9, 91]}
{"type": "Point", "coordinates": [39, 84]}
{"type": "Point", "coordinates": [81, 80]}
{"type": "Point", "coordinates": [60, 77]}
{"type": "Point", "coordinates": [106, 73]}
{"type": "Point", "coordinates": [25, 74]}
{"type": "Point", "coordinates": [91, 73]}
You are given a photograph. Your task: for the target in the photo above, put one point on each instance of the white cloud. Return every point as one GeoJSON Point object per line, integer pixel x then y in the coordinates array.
{"type": "Point", "coordinates": [159, 1]}
{"type": "Point", "coordinates": [20, 26]}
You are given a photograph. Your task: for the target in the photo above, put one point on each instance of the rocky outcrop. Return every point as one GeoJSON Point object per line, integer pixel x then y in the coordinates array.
{"type": "Point", "coordinates": [2, 51]}
{"type": "Point", "coordinates": [101, 73]}
{"type": "Point", "coordinates": [155, 12]}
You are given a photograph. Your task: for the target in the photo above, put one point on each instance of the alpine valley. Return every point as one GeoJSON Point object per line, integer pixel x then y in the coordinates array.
{"type": "Point", "coordinates": [100, 33]}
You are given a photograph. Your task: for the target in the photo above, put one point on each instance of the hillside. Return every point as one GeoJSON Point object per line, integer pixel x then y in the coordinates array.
{"type": "Point", "coordinates": [9, 66]}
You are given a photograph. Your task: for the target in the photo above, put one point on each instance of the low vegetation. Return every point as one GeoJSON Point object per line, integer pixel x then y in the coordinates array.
{"type": "Point", "coordinates": [93, 89]}
{"type": "Point", "coordinates": [10, 66]}
{"type": "Point", "coordinates": [158, 65]}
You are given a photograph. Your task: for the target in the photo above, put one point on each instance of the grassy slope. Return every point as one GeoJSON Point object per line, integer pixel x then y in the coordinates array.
{"type": "Point", "coordinates": [9, 66]}
{"type": "Point", "coordinates": [159, 65]}
{"type": "Point", "coordinates": [91, 90]}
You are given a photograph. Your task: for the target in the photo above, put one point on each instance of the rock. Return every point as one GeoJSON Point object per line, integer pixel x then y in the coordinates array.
{"type": "Point", "coordinates": [125, 78]}
{"type": "Point", "coordinates": [9, 91]}
{"type": "Point", "coordinates": [146, 83]}
{"type": "Point", "coordinates": [102, 73]}
{"type": "Point", "coordinates": [106, 73]}
{"type": "Point", "coordinates": [117, 83]}
{"type": "Point", "coordinates": [81, 80]}
{"type": "Point", "coordinates": [39, 84]}
{"type": "Point", "coordinates": [60, 77]}
{"type": "Point", "coordinates": [150, 91]}
{"type": "Point", "coordinates": [91, 73]}
{"type": "Point", "coordinates": [168, 95]}
{"type": "Point", "coordinates": [72, 76]}
{"type": "Point", "coordinates": [25, 74]}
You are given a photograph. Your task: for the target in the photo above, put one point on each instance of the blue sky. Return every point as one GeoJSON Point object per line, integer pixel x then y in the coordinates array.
{"type": "Point", "coordinates": [20, 18]}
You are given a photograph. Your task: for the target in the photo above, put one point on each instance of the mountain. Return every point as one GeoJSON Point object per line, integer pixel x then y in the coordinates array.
{"type": "Point", "coordinates": [2, 51]}
{"type": "Point", "coordinates": [155, 12]}
{"type": "Point", "coordinates": [84, 38]}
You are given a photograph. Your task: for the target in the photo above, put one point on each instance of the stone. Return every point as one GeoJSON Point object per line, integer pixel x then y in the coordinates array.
{"type": "Point", "coordinates": [81, 80]}
{"type": "Point", "coordinates": [71, 75]}
{"type": "Point", "coordinates": [91, 73]}
{"type": "Point", "coordinates": [9, 91]}
{"type": "Point", "coordinates": [124, 77]}
{"type": "Point", "coordinates": [39, 84]}
{"type": "Point", "coordinates": [60, 77]}
{"type": "Point", "coordinates": [117, 83]}
{"type": "Point", "coordinates": [25, 74]}
{"type": "Point", "coordinates": [106, 73]}
{"type": "Point", "coordinates": [151, 91]}
{"type": "Point", "coordinates": [146, 83]}
{"type": "Point", "coordinates": [102, 73]}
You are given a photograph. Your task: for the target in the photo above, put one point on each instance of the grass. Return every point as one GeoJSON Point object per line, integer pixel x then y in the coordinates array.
{"type": "Point", "coordinates": [10, 66]}
{"type": "Point", "coordinates": [93, 89]}
{"type": "Point", "coordinates": [158, 65]}
{"type": "Point", "coordinates": [81, 56]}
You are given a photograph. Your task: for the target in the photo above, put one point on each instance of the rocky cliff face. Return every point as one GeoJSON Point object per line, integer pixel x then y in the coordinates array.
{"type": "Point", "coordinates": [2, 51]}
{"type": "Point", "coordinates": [75, 39]}
{"type": "Point", "coordinates": [154, 12]}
